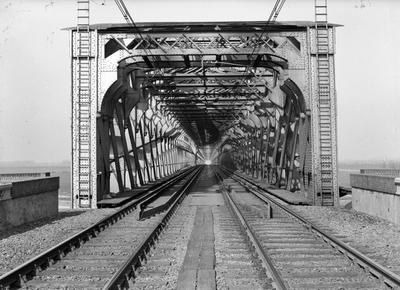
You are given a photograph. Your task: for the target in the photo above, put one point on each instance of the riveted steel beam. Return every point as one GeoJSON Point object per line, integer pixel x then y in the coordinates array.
{"type": "Point", "coordinates": [210, 79]}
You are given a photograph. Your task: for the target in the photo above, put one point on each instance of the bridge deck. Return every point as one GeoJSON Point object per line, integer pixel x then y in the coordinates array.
{"type": "Point", "coordinates": [290, 197]}
{"type": "Point", "coordinates": [126, 196]}
{"type": "Point", "coordinates": [286, 195]}
{"type": "Point", "coordinates": [121, 198]}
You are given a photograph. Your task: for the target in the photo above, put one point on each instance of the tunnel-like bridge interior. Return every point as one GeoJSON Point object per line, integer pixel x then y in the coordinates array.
{"type": "Point", "coordinates": [153, 98]}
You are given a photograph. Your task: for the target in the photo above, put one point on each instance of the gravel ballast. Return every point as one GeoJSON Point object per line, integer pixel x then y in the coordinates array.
{"type": "Point", "coordinates": [19, 244]}
{"type": "Point", "coordinates": [366, 231]}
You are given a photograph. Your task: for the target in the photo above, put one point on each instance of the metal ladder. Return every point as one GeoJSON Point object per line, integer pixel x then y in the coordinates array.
{"type": "Point", "coordinates": [324, 99]}
{"type": "Point", "coordinates": [82, 105]}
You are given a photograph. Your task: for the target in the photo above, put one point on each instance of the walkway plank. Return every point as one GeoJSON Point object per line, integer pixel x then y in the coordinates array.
{"type": "Point", "coordinates": [206, 280]}
{"type": "Point", "coordinates": [198, 266]}
{"type": "Point", "coordinates": [187, 279]}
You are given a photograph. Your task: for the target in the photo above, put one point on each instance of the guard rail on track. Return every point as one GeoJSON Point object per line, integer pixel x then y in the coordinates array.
{"type": "Point", "coordinates": [145, 213]}
{"type": "Point", "coordinates": [20, 274]}
{"type": "Point", "coordinates": [120, 280]}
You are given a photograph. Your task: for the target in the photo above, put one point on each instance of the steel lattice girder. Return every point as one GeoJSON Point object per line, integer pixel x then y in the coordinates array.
{"type": "Point", "coordinates": [240, 69]}
{"type": "Point", "coordinates": [249, 83]}
{"type": "Point", "coordinates": [199, 38]}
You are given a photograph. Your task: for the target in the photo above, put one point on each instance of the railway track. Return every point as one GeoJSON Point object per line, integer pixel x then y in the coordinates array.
{"type": "Point", "coordinates": [304, 255]}
{"type": "Point", "coordinates": [245, 240]}
{"type": "Point", "coordinates": [107, 254]}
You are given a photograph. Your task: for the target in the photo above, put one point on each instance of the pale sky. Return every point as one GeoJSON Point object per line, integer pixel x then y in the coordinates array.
{"type": "Point", "coordinates": [35, 76]}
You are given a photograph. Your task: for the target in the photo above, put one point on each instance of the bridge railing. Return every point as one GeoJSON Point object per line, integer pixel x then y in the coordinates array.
{"type": "Point", "coordinates": [390, 172]}
{"type": "Point", "coordinates": [19, 176]}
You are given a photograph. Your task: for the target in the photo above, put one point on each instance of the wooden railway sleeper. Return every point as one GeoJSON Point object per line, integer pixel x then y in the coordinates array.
{"type": "Point", "coordinates": [139, 258]}
{"type": "Point", "coordinates": [389, 279]}
{"type": "Point", "coordinates": [261, 255]}
{"type": "Point", "coordinates": [153, 242]}
{"type": "Point", "coordinates": [271, 271]}
{"type": "Point", "coordinates": [22, 280]}
{"type": "Point", "coordinates": [72, 247]}
{"type": "Point", "coordinates": [135, 271]}
{"type": "Point", "coordinates": [130, 280]}
{"type": "Point", "coordinates": [48, 258]}
{"type": "Point", "coordinates": [61, 254]}
{"type": "Point", "coordinates": [38, 269]}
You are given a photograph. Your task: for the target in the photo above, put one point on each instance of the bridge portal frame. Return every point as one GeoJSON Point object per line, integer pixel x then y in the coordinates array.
{"type": "Point", "coordinates": [302, 70]}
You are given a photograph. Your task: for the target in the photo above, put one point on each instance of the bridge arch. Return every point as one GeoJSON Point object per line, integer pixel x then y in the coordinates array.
{"type": "Point", "coordinates": [175, 95]}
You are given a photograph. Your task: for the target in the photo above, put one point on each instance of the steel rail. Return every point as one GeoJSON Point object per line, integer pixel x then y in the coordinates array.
{"type": "Point", "coordinates": [377, 270]}
{"type": "Point", "coordinates": [143, 213]}
{"type": "Point", "coordinates": [127, 270]}
{"type": "Point", "coordinates": [267, 262]}
{"type": "Point", "coordinates": [152, 187]}
{"type": "Point", "coordinates": [18, 275]}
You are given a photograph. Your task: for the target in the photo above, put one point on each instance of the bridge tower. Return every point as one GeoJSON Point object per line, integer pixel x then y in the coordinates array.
{"type": "Point", "coordinates": [83, 121]}
{"type": "Point", "coordinates": [324, 109]}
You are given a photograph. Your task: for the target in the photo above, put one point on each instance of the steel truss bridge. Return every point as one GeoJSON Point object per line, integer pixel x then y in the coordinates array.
{"type": "Point", "coordinates": [152, 98]}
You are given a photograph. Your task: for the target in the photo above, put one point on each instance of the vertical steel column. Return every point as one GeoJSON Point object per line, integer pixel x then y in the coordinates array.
{"type": "Point", "coordinates": [241, 152]}
{"type": "Point", "coordinates": [277, 135]}
{"type": "Point", "coordinates": [259, 155]}
{"type": "Point", "coordinates": [265, 163]}
{"type": "Point", "coordinates": [175, 156]}
{"type": "Point", "coordinates": [293, 153]}
{"type": "Point", "coordinates": [250, 151]}
{"type": "Point", "coordinates": [151, 152]}
{"type": "Point", "coordinates": [246, 154]}
{"type": "Point", "coordinates": [171, 170]}
{"type": "Point", "coordinates": [234, 153]}
{"type": "Point", "coordinates": [144, 147]}
{"type": "Point", "coordinates": [121, 125]}
{"type": "Point", "coordinates": [326, 175]}
{"type": "Point", "coordinates": [104, 165]}
{"type": "Point", "coordinates": [132, 136]}
{"type": "Point", "coordinates": [162, 155]}
{"type": "Point", "coordinates": [171, 155]}
{"type": "Point", "coordinates": [165, 161]}
{"type": "Point", "coordinates": [252, 148]}
{"type": "Point", "coordinates": [257, 143]}
{"type": "Point", "coordinates": [116, 155]}
{"type": "Point", "coordinates": [84, 172]}
{"type": "Point", "coordinates": [282, 162]}
{"type": "Point", "coordinates": [158, 153]}
{"type": "Point", "coordinates": [303, 153]}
